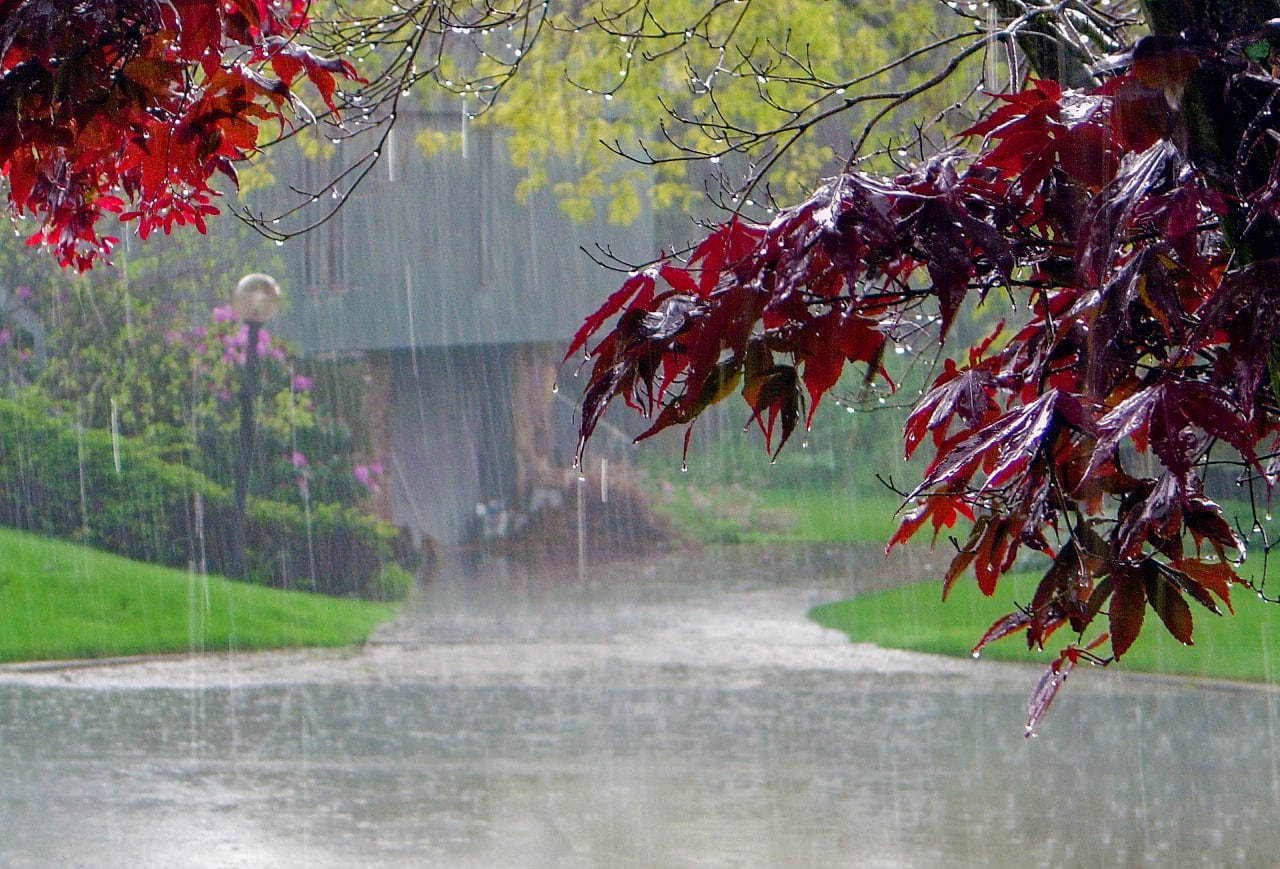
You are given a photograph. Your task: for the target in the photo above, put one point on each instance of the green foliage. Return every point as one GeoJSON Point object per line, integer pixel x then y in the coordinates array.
{"type": "Point", "coordinates": [120, 494]}
{"type": "Point", "coordinates": [608, 72]}
{"type": "Point", "coordinates": [150, 347]}
{"type": "Point", "coordinates": [62, 600]}
{"type": "Point", "coordinates": [393, 583]}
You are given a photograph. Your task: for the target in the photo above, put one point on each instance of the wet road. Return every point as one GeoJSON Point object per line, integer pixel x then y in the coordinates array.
{"type": "Point", "coordinates": [676, 713]}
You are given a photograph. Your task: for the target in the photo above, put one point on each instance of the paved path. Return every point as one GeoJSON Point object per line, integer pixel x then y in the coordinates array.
{"type": "Point", "coordinates": [679, 712]}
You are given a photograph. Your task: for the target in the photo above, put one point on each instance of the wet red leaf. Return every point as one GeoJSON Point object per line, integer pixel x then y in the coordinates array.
{"type": "Point", "coordinates": [1168, 603]}
{"type": "Point", "coordinates": [1214, 576]}
{"type": "Point", "coordinates": [142, 105]}
{"type": "Point", "coordinates": [1144, 350]}
{"type": "Point", "coordinates": [1128, 606]}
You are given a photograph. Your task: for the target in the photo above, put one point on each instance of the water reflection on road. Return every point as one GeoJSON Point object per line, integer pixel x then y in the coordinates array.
{"type": "Point", "coordinates": [679, 713]}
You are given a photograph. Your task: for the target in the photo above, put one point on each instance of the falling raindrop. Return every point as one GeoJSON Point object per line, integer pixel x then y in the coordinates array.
{"type": "Point", "coordinates": [408, 304]}
{"type": "Point", "coordinates": [115, 435]}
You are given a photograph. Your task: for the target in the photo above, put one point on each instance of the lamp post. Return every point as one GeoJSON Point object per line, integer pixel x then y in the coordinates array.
{"type": "Point", "coordinates": [256, 299]}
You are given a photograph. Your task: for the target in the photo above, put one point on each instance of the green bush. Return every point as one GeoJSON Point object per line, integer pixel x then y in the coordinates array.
{"type": "Point", "coordinates": [59, 479]}
{"type": "Point", "coordinates": [392, 584]}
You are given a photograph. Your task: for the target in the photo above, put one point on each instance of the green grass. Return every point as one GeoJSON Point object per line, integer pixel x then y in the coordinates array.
{"type": "Point", "coordinates": [736, 514]}
{"type": "Point", "coordinates": [61, 600]}
{"type": "Point", "coordinates": [1243, 646]}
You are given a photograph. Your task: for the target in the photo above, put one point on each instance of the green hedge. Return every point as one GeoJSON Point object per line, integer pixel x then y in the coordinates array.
{"type": "Point", "coordinates": [60, 480]}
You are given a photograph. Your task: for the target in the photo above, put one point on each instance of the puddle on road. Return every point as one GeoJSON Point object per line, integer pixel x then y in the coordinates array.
{"type": "Point", "coordinates": [641, 720]}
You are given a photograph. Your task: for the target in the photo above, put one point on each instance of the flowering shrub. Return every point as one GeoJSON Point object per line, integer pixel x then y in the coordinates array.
{"type": "Point", "coordinates": [58, 480]}
{"type": "Point", "coordinates": [140, 350]}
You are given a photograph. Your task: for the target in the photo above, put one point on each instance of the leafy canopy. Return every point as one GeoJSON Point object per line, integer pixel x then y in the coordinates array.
{"type": "Point", "coordinates": [1123, 204]}
{"type": "Point", "coordinates": [130, 107]}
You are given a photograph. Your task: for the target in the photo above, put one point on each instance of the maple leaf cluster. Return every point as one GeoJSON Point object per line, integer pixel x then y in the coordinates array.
{"type": "Point", "coordinates": [130, 107]}
{"type": "Point", "coordinates": [1149, 327]}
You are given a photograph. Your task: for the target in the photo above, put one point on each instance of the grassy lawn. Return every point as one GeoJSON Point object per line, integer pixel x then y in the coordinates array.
{"type": "Point", "coordinates": [60, 600]}
{"type": "Point", "coordinates": [1241, 646]}
{"type": "Point", "coordinates": [764, 507]}
{"type": "Point", "coordinates": [735, 514]}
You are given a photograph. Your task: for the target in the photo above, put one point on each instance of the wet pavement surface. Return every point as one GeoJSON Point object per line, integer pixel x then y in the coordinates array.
{"type": "Point", "coordinates": [675, 712]}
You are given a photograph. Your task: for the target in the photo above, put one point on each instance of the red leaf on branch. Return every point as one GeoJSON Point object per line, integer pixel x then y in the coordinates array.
{"type": "Point", "coordinates": [1168, 415]}
{"type": "Point", "coordinates": [288, 58]}
{"type": "Point", "coordinates": [1047, 687]}
{"type": "Point", "coordinates": [1128, 605]}
{"type": "Point", "coordinates": [825, 343]}
{"type": "Point", "coordinates": [1002, 627]}
{"type": "Point", "coordinates": [1006, 446]}
{"type": "Point", "coordinates": [1044, 128]}
{"type": "Point", "coordinates": [1215, 576]}
{"type": "Point", "coordinates": [774, 394]}
{"type": "Point", "coordinates": [940, 510]}
{"type": "Point", "coordinates": [965, 394]}
{"type": "Point", "coordinates": [1167, 601]}
{"type": "Point", "coordinates": [1054, 678]}
{"type": "Point", "coordinates": [636, 292]}
{"type": "Point", "coordinates": [1108, 216]}
{"type": "Point", "coordinates": [1246, 309]}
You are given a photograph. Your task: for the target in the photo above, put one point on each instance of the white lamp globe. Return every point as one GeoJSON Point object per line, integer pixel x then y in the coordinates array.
{"type": "Point", "coordinates": [256, 298]}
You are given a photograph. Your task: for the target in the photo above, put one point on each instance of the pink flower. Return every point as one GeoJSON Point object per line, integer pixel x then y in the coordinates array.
{"type": "Point", "coordinates": [22, 294]}
{"type": "Point", "coordinates": [298, 459]}
{"type": "Point", "coordinates": [368, 475]}
{"type": "Point", "coordinates": [365, 479]}
{"type": "Point", "coordinates": [301, 383]}
{"type": "Point", "coordinates": [5, 337]}
{"type": "Point", "coordinates": [238, 339]}
{"type": "Point", "coordinates": [224, 314]}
